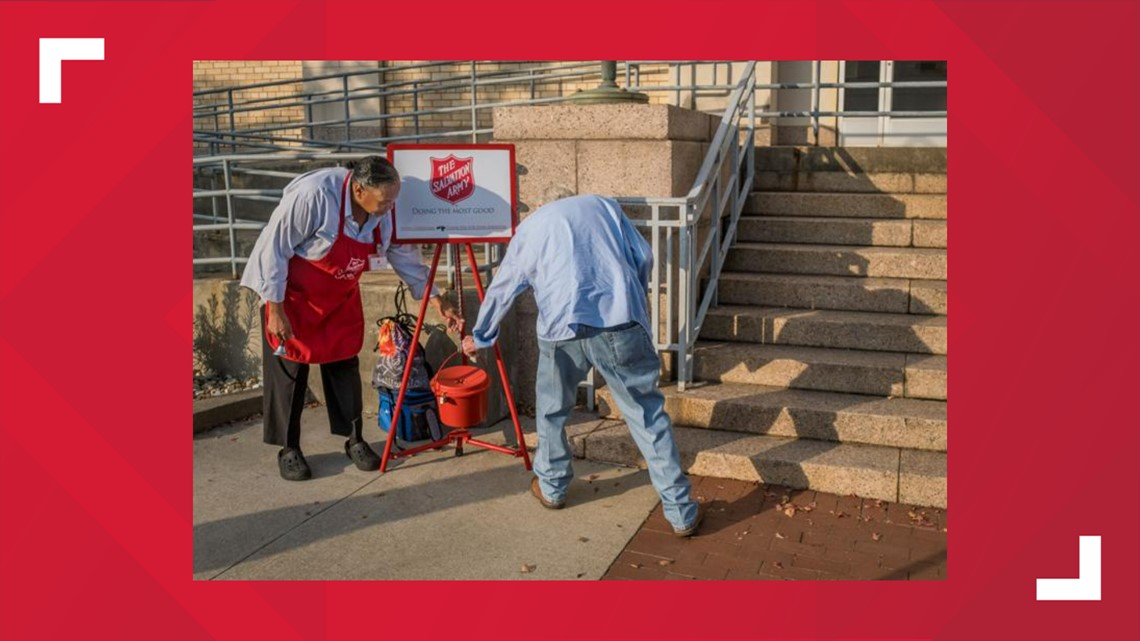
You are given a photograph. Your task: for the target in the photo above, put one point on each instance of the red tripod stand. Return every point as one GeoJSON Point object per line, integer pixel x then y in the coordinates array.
{"type": "Point", "coordinates": [459, 437]}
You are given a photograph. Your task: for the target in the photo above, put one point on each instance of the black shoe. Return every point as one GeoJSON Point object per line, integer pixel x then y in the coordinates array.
{"type": "Point", "coordinates": [362, 455]}
{"type": "Point", "coordinates": [292, 465]}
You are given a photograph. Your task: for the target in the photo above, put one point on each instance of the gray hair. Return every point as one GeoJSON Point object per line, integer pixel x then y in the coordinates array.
{"type": "Point", "coordinates": [373, 171]}
{"type": "Point", "coordinates": [553, 193]}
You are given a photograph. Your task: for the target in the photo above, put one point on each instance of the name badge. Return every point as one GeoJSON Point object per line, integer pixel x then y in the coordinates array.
{"type": "Point", "coordinates": [376, 262]}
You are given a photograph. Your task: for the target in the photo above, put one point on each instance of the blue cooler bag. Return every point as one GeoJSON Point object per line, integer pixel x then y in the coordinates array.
{"type": "Point", "coordinates": [419, 416]}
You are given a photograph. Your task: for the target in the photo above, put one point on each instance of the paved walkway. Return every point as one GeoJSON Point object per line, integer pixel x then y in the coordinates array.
{"type": "Point", "coordinates": [754, 532]}
{"type": "Point", "coordinates": [431, 517]}
{"type": "Point", "coordinates": [437, 517]}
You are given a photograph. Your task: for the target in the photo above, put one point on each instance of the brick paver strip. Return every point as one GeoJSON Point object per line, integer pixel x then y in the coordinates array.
{"type": "Point", "coordinates": [748, 535]}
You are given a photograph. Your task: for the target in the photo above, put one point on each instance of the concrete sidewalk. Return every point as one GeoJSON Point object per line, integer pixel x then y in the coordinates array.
{"type": "Point", "coordinates": [433, 516]}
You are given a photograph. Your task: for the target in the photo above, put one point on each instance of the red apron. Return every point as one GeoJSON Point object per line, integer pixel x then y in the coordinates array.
{"type": "Point", "coordinates": [322, 299]}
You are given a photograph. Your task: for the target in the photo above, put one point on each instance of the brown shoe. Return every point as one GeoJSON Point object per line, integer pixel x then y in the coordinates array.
{"type": "Point", "coordinates": [537, 492]}
{"type": "Point", "coordinates": [692, 529]}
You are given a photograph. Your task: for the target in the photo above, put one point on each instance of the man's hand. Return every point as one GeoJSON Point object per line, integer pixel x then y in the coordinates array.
{"type": "Point", "coordinates": [450, 315]}
{"type": "Point", "coordinates": [278, 323]}
{"type": "Point", "coordinates": [469, 348]}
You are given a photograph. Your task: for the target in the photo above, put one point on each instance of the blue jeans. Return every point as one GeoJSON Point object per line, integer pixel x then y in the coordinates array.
{"type": "Point", "coordinates": [626, 358]}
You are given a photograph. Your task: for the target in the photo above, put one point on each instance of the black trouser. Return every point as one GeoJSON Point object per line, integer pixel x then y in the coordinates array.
{"type": "Point", "coordinates": [285, 383]}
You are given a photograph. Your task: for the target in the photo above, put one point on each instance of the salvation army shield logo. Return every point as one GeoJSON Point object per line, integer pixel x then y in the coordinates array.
{"type": "Point", "coordinates": [452, 179]}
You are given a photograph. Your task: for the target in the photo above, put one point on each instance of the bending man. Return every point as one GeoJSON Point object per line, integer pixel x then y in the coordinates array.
{"type": "Point", "coordinates": [589, 270]}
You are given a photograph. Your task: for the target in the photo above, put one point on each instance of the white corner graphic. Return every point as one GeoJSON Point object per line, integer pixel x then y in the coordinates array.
{"type": "Point", "coordinates": [53, 51]}
{"type": "Point", "coordinates": [1086, 587]}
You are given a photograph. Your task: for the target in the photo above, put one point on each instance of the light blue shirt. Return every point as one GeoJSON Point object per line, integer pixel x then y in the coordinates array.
{"type": "Point", "coordinates": [305, 224]}
{"type": "Point", "coordinates": [585, 262]}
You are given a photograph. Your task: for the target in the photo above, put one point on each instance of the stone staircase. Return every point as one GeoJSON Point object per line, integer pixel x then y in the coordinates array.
{"type": "Point", "coordinates": [824, 365]}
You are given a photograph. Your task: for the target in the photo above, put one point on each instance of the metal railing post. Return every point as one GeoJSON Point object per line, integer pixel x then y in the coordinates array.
{"type": "Point", "coordinates": [233, 121]}
{"type": "Point", "coordinates": [214, 199]}
{"type": "Point", "coordinates": [474, 105]}
{"type": "Point", "coordinates": [714, 204]}
{"type": "Point", "coordinates": [309, 118]}
{"type": "Point", "coordinates": [347, 115]}
{"type": "Point", "coordinates": [416, 107]}
{"type": "Point", "coordinates": [677, 66]}
{"type": "Point", "coordinates": [684, 314]}
{"type": "Point", "coordinates": [230, 218]}
{"type": "Point", "coordinates": [815, 106]}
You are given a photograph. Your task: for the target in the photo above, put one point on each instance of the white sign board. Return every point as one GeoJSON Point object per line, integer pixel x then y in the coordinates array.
{"type": "Point", "coordinates": [454, 193]}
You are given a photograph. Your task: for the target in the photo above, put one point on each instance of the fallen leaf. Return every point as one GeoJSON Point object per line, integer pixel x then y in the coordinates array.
{"type": "Point", "coordinates": [234, 440]}
{"type": "Point", "coordinates": [805, 508]}
{"type": "Point", "coordinates": [875, 536]}
{"type": "Point", "coordinates": [878, 503]}
{"type": "Point", "coordinates": [780, 536]}
{"type": "Point", "coordinates": [636, 566]}
{"type": "Point", "coordinates": [664, 562]}
{"type": "Point", "coordinates": [580, 575]}
{"type": "Point", "coordinates": [790, 510]}
{"type": "Point", "coordinates": [778, 565]}
{"type": "Point", "coordinates": [527, 568]}
{"type": "Point", "coordinates": [591, 477]}
{"type": "Point", "coordinates": [583, 539]}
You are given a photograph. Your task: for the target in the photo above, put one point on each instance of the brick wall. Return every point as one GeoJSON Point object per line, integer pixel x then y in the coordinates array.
{"type": "Point", "coordinates": [214, 74]}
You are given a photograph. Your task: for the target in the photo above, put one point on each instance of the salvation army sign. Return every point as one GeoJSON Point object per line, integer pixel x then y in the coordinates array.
{"type": "Point", "coordinates": [452, 179]}
{"type": "Point", "coordinates": [454, 193]}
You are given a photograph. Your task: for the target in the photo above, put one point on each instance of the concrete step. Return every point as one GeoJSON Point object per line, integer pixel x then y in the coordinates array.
{"type": "Point", "coordinates": [868, 471]}
{"type": "Point", "coordinates": [855, 160]}
{"type": "Point", "coordinates": [926, 376]}
{"type": "Point", "coordinates": [927, 206]}
{"type": "Point", "coordinates": [897, 295]}
{"type": "Point", "coordinates": [822, 416]}
{"type": "Point", "coordinates": [844, 181]}
{"type": "Point", "coordinates": [875, 232]}
{"type": "Point", "coordinates": [929, 233]}
{"type": "Point", "coordinates": [838, 260]}
{"type": "Point", "coordinates": [822, 369]}
{"type": "Point", "coordinates": [882, 332]}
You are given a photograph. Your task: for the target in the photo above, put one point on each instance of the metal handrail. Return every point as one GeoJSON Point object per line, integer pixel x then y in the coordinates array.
{"type": "Point", "coordinates": [726, 150]}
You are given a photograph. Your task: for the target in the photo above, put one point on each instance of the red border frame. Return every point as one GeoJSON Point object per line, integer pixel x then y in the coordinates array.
{"type": "Point", "coordinates": [95, 454]}
{"type": "Point", "coordinates": [462, 240]}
